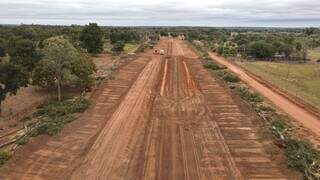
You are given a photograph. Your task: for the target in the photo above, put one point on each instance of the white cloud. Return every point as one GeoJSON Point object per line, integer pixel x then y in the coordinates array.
{"type": "Point", "coordinates": [163, 12]}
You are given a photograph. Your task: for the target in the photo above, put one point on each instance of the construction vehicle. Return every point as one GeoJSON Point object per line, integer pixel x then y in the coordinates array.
{"type": "Point", "coordinates": [158, 51]}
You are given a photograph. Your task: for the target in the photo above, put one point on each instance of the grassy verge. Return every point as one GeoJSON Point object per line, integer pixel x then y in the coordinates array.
{"type": "Point", "coordinates": [302, 80]}
{"type": "Point", "coordinates": [302, 156]}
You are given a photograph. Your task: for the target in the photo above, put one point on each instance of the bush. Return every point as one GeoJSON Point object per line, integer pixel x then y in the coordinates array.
{"type": "Point", "coordinates": [212, 65]}
{"type": "Point", "coordinates": [246, 94]}
{"type": "Point", "coordinates": [22, 141]}
{"type": "Point", "coordinates": [57, 108]}
{"type": "Point", "coordinates": [229, 77]}
{"type": "Point", "coordinates": [118, 47]}
{"type": "Point", "coordinates": [4, 156]}
{"type": "Point", "coordinates": [281, 126]}
{"type": "Point", "coordinates": [54, 115]}
{"type": "Point", "coordinates": [261, 49]}
{"type": "Point", "coordinates": [263, 108]}
{"type": "Point", "coordinates": [52, 126]}
{"type": "Point", "coordinates": [303, 157]}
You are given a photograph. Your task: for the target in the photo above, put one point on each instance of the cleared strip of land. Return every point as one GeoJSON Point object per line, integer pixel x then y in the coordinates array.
{"type": "Point", "coordinates": [168, 118]}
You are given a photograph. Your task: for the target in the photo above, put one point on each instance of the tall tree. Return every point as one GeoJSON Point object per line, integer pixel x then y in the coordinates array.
{"type": "Point", "coordinates": [91, 38]}
{"type": "Point", "coordinates": [11, 79]}
{"type": "Point", "coordinates": [58, 55]}
{"type": "Point", "coordinates": [62, 64]}
{"type": "Point", "coordinates": [23, 52]}
{"type": "Point", "coordinates": [261, 49]}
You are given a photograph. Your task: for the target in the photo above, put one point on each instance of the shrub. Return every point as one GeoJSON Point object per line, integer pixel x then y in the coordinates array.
{"type": "Point", "coordinates": [54, 115]}
{"type": "Point", "coordinates": [246, 94]}
{"type": "Point", "coordinates": [264, 108]}
{"type": "Point", "coordinates": [212, 65]}
{"type": "Point", "coordinates": [261, 49]}
{"type": "Point", "coordinates": [22, 141]}
{"type": "Point", "coordinates": [52, 126]}
{"type": "Point", "coordinates": [4, 156]}
{"type": "Point", "coordinates": [56, 108]}
{"type": "Point", "coordinates": [281, 126]}
{"type": "Point", "coordinates": [303, 157]}
{"type": "Point", "coordinates": [229, 77]}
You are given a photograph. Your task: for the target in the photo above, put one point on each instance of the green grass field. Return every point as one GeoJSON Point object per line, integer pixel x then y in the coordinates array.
{"type": "Point", "coordinates": [130, 47]}
{"type": "Point", "coordinates": [314, 54]}
{"type": "Point", "coordinates": [302, 80]}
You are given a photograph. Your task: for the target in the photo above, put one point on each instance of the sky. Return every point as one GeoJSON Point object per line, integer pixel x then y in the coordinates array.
{"type": "Point", "coordinates": [246, 13]}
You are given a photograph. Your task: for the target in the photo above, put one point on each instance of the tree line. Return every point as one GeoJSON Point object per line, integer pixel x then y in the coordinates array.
{"type": "Point", "coordinates": [52, 58]}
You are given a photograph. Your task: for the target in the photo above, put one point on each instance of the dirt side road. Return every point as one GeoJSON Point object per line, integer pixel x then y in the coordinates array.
{"type": "Point", "coordinates": [176, 121]}
{"type": "Point", "coordinates": [300, 114]}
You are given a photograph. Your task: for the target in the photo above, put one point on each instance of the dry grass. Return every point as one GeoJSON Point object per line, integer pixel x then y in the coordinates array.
{"type": "Point", "coordinates": [314, 54]}
{"type": "Point", "coordinates": [302, 80]}
{"type": "Point", "coordinates": [130, 47]}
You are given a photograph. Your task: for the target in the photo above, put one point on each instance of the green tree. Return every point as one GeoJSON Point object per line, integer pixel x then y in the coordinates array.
{"type": "Point", "coordinates": [23, 52]}
{"type": "Point", "coordinates": [118, 47]}
{"type": "Point", "coordinates": [11, 79]}
{"type": "Point", "coordinates": [58, 56]}
{"type": "Point", "coordinates": [91, 38]}
{"type": "Point", "coordinates": [82, 69]}
{"type": "Point", "coordinates": [261, 49]}
{"type": "Point", "coordinates": [2, 48]}
{"type": "Point", "coordinates": [62, 64]}
{"type": "Point", "coordinates": [298, 46]}
{"type": "Point", "coordinates": [25, 32]}
{"type": "Point", "coordinates": [287, 49]}
{"type": "Point", "coordinates": [310, 31]}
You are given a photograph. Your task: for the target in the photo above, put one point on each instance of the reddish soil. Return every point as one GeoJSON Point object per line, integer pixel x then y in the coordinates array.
{"type": "Point", "coordinates": [163, 117]}
{"type": "Point", "coordinates": [309, 118]}
{"type": "Point", "coordinates": [25, 102]}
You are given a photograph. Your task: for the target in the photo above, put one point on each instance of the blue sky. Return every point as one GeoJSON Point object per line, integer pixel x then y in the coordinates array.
{"type": "Point", "coordinates": [267, 13]}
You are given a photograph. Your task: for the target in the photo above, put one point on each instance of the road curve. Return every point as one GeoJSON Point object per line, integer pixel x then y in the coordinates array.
{"type": "Point", "coordinates": [298, 113]}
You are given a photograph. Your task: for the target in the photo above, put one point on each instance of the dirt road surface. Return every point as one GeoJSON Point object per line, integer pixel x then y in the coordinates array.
{"type": "Point", "coordinates": [300, 114]}
{"type": "Point", "coordinates": [172, 120]}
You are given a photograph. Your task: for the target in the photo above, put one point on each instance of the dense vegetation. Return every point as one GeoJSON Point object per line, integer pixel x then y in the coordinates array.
{"type": "Point", "coordinates": [54, 56]}
{"type": "Point", "coordinates": [259, 43]}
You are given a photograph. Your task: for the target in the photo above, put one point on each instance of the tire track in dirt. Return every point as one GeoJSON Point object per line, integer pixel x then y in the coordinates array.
{"type": "Point", "coordinates": [123, 132]}
{"type": "Point", "coordinates": [177, 121]}
{"type": "Point", "coordinates": [53, 158]}
{"type": "Point", "coordinates": [241, 132]}
{"type": "Point", "coordinates": [180, 118]}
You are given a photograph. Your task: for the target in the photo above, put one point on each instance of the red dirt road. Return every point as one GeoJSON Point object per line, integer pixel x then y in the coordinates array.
{"type": "Point", "coordinates": [175, 121]}
{"type": "Point", "coordinates": [300, 114]}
